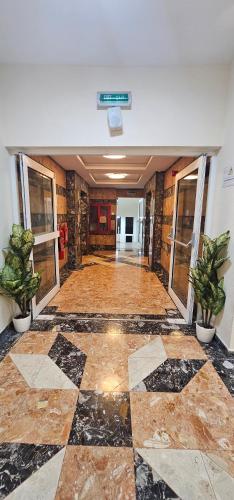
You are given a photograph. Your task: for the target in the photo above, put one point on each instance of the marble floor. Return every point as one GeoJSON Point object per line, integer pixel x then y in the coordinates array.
{"type": "Point", "coordinates": [114, 403]}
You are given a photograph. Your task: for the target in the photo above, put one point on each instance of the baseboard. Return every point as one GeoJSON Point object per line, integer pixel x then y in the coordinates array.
{"type": "Point", "coordinates": [228, 351]}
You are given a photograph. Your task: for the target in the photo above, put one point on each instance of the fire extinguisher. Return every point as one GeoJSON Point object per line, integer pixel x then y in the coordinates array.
{"type": "Point", "coordinates": [65, 233]}
{"type": "Point", "coordinates": [61, 243]}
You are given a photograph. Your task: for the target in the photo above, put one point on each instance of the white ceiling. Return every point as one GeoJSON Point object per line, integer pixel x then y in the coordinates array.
{"type": "Point", "coordinates": [124, 32]}
{"type": "Point", "coordinates": [94, 169]}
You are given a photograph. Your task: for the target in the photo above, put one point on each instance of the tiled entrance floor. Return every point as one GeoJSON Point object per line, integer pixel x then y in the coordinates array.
{"type": "Point", "coordinates": [109, 286]}
{"type": "Point", "coordinates": [130, 411]}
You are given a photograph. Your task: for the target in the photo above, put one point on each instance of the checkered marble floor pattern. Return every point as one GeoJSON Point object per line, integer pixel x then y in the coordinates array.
{"type": "Point", "coordinates": [115, 414]}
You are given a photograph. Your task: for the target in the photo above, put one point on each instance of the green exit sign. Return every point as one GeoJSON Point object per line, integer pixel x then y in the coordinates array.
{"type": "Point", "coordinates": [110, 99]}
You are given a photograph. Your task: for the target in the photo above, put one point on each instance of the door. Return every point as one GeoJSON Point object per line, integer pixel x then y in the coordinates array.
{"type": "Point", "coordinates": [185, 235]}
{"type": "Point", "coordinates": [151, 231]}
{"type": "Point", "coordinates": [40, 215]}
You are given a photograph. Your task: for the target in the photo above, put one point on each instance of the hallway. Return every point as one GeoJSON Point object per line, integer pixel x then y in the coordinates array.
{"type": "Point", "coordinates": [120, 286]}
{"type": "Point", "coordinates": [110, 395]}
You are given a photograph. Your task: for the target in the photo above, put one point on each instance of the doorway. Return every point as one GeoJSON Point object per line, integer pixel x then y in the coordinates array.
{"type": "Point", "coordinates": [129, 227]}
{"type": "Point", "coordinates": [188, 215]}
{"type": "Point", "coordinates": [40, 215]}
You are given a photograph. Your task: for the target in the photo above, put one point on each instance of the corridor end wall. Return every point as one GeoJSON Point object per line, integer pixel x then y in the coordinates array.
{"type": "Point", "coordinates": [98, 241]}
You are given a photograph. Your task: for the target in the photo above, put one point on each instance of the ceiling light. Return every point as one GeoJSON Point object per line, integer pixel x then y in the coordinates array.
{"type": "Point", "coordinates": [116, 176]}
{"type": "Point", "coordinates": [191, 177]}
{"type": "Point", "coordinates": [114, 157]}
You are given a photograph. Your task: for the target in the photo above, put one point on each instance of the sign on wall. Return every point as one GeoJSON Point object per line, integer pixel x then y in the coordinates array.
{"type": "Point", "coordinates": [112, 99]}
{"type": "Point", "coordinates": [228, 177]}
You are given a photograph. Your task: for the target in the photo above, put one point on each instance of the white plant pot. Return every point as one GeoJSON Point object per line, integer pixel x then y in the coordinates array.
{"type": "Point", "coordinates": [22, 324]}
{"type": "Point", "coordinates": [204, 334]}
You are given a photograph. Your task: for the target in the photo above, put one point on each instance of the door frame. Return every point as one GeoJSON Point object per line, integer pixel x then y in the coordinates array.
{"type": "Point", "coordinates": [25, 163]}
{"type": "Point", "coordinates": [200, 165]}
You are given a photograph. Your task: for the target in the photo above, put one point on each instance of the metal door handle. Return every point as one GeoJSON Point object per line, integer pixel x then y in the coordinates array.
{"type": "Point", "coordinates": [186, 245]}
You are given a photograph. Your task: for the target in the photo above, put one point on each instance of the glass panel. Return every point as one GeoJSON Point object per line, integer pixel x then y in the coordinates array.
{"type": "Point", "coordinates": [129, 225]}
{"type": "Point", "coordinates": [44, 262]}
{"type": "Point", "coordinates": [186, 198]}
{"type": "Point", "coordinates": [93, 219]}
{"type": "Point", "coordinates": [41, 202]}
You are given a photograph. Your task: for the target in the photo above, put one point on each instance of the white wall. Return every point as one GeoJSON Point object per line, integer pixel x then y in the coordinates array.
{"type": "Point", "coordinates": [223, 219]}
{"type": "Point", "coordinates": [6, 220]}
{"type": "Point", "coordinates": [51, 106]}
{"type": "Point", "coordinates": [128, 207]}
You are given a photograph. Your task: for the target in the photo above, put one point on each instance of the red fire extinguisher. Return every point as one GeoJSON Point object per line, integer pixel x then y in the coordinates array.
{"type": "Point", "coordinates": [65, 233]}
{"type": "Point", "coordinates": [61, 243]}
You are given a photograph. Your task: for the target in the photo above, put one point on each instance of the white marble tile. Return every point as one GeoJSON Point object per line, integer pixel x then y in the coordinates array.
{"type": "Point", "coordinates": [40, 372]}
{"type": "Point", "coordinates": [41, 485]}
{"type": "Point", "coordinates": [183, 470]}
{"type": "Point", "coordinates": [45, 317]}
{"type": "Point", "coordinates": [176, 321]}
{"type": "Point", "coordinates": [222, 482]}
{"type": "Point", "coordinates": [152, 349]}
{"type": "Point", "coordinates": [139, 368]}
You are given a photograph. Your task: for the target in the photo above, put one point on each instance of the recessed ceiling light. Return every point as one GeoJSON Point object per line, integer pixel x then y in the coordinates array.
{"type": "Point", "coordinates": [191, 177]}
{"type": "Point", "coordinates": [114, 157]}
{"type": "Point", "coordinates": [116, 176]}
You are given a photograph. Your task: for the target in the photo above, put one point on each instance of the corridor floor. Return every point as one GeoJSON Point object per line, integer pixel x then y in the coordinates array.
{"type": "Point", "coordinates": [110, 395]}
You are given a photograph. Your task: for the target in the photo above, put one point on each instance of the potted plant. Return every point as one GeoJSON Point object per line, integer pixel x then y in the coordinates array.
{"type": "Point", "coordinates": [208, 285]}
{"type": "Point", "coordinates": [17, 279]}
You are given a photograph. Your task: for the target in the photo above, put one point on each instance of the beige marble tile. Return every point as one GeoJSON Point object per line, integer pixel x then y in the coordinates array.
{"type": "Point", "coordinates": [37, 416]}
{"type": "Point", "coordinates": [102, 473]}
{"type": "Point", "coordinates": [105, 374]}
{"type": "Point", "coordinates": [206, 382]}
{"type": "Point", "coordinates": [110, 288]}
{"type": "Point", "coordinates": [120, 346]}
{"type": "Point", "coordinates": [166, 420]}
{"type": "Point", "coordinates": [182, 347]}
{"type": "Point", "coordinates": [34, 343]}
{"type": "Point", "coordinates": [11, 380]}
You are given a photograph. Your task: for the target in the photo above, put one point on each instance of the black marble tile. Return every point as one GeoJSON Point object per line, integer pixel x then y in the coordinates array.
{"type": "Point", "coordinates": [171, 376]}
{"type": "Point", "coordinates": [70, 323]}
{"type": "Point", "coordinates": [64, 324]}
{"type": "Point", "coordinates": [68, 358]}
{"type": "Point", "coordinates": [216, 349]}
{"type": "Point", "coordinates": [19, 461]}
{"type": "Point", "coordinates": [102, 419]}
{"type": "Point", "coordinates": [149, 485]}
{"type": "Point", "coordinates": [225, 369]}
{"type": "Point", "coordinates": [162, 275]}
{"type": "Point", "coordinates": [64, 274]}
{"type": "Point", "coordinates": [49, 310]}
{"type": "Point", "coordinates": [89, 315]}
{"type": "Point", "coordinates": [8, 338]}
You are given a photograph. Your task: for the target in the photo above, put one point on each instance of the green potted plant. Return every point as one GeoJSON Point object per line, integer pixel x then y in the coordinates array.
{"type": "Point", "coordinates": [17, 279]}
{"type": "Point", "coordinates": [208, 284]}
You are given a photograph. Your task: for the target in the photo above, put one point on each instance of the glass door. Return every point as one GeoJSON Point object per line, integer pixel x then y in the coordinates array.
{"type": "Point", "coordinates": [40, 215]}
{"type": "Point", "coordinates": [185, 234]}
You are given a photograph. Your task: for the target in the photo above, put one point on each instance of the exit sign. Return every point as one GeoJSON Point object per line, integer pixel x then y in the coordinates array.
{"type": "Point", "coordinates": [110, 99]}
